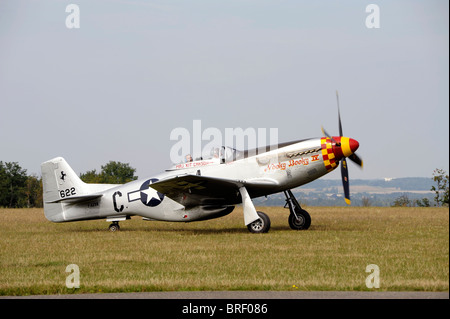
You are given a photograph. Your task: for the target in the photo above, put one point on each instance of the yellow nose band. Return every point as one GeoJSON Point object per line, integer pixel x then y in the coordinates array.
{"type": "Point", "coordinates": [345, 146]}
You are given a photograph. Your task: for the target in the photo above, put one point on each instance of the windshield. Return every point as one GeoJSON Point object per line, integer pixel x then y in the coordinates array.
{"type": "Point", "coordinates": [229, 154]}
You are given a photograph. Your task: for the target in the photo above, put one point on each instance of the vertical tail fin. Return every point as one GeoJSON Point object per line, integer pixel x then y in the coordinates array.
{"type": "Point", "coordinates": [59, 182]}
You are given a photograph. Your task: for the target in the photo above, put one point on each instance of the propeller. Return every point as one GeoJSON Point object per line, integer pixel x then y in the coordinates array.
{"type": "Point", "coordinates": [344, 148]}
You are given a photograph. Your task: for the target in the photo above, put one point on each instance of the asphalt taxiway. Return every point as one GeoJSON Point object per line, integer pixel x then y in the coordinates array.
{"type": "Point", "coordinates": [249, 295]}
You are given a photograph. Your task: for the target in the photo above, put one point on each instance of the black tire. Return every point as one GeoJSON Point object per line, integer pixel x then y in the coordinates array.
{"type": "Point", "coordinates": [262, 225]}
{"type": "Point", "coordinates": [114, 227]}
{"type": "Point", "coordinates": [302, 223]}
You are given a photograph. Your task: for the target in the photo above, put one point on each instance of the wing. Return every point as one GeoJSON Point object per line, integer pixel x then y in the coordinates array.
{"type": "Point", "coordinates": [193, 190]}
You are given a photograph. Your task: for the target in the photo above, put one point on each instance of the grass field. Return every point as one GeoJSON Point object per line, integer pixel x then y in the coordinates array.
{"type": "Point", "coordinates": [409, 245]}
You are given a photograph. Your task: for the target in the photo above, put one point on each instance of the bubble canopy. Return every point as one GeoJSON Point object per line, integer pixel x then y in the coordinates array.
{"type": "Point", "coordinates": [223, 154]}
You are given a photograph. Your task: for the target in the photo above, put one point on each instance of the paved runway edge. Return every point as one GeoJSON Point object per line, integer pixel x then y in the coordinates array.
{"type": "Point", "coordinates": [249, 295]}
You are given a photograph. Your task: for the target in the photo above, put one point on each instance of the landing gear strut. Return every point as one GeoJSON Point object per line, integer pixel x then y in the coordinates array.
{"type": "Point", "coordinates": [299, 219]}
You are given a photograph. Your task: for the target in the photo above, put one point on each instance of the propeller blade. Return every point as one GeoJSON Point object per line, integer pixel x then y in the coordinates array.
{"type": "Point", "coordinates": [353, 157]}
{"type": "Point", "coordinates": [345, 182]}
{"type": "Point", "coordinates": [356, 159]}
{"type": "Point", "coordinates": [339, 115]}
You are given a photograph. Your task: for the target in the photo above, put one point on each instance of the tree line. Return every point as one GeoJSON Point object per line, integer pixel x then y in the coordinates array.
{"type": "Point", "coordinates": [20, 190]}
{"type": "Point", "coordinates": [440, 189]}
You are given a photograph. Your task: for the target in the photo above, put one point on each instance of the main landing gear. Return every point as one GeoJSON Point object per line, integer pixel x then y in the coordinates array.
{"type": "Point", "coordinates": [299, 219]}
{"type": "Point", "coordinates": [262, 225]}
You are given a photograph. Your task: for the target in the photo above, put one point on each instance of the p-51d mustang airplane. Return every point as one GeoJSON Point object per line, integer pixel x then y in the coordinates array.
{"type": "Point", "coordinates": [203, 189]}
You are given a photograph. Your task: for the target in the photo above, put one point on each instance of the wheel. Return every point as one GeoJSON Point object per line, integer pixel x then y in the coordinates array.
{"type": "Point", "coordinates": [302, 223]}
{"type": "Point", "coordinates": [114, 227]}
{"type": "Point", "coordinates": [262, 225]}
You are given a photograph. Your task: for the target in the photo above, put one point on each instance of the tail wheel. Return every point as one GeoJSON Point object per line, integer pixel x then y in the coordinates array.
{"type": "Point", "coordinates": [262, 225]}
{"type": "Point", "coordinates": [300, 222]}
{"type": "Point", "coordinates": [114, 227]}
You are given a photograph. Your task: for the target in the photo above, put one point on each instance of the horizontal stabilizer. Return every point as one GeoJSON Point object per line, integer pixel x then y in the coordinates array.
{"type": "Point", "coordinates": [77, 199]}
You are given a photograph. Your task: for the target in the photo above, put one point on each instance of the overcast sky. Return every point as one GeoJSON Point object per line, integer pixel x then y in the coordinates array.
{"type": "Point", "coordinates": [116, 87]}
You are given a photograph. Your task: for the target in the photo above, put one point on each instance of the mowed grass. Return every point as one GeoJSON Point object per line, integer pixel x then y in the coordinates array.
{"type": "Point", "coordinates": [409, 245]}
